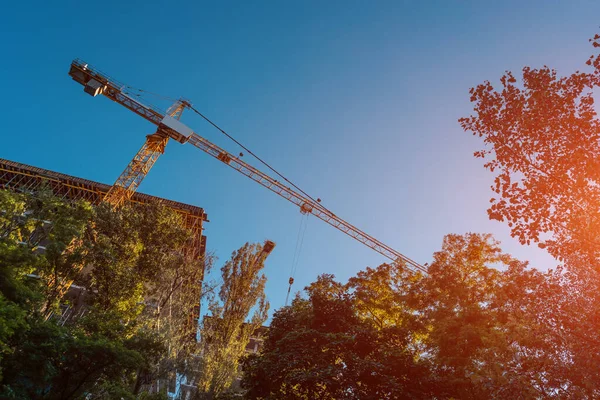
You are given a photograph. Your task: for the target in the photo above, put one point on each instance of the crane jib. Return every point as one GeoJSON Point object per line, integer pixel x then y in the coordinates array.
{"type": "Point", "coordinates": [316, 209]}
{"type": "Point", "coordinates": [97, 83]}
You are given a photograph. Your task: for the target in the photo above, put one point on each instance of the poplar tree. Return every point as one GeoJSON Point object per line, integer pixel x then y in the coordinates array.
{"type": "Point", "coordinates": [227, 331]}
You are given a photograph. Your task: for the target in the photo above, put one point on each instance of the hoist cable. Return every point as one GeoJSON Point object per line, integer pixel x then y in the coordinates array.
{"type": "Point", "coordinates": [297, 243]}
{"type": "Point", "coordinates": [287, 296]}
{"type": "Point", "coordinates": [295, 266]}
{"type": "Point", "coordinates": [291, 281]}
{"type": "Point", "coordinates": [297, 252]}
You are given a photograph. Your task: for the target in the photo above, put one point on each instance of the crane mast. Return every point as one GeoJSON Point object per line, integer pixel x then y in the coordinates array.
{"type": "Point", "coordinates": [169, 127]}
{"type": "Point", "coordinates": [131, 178]}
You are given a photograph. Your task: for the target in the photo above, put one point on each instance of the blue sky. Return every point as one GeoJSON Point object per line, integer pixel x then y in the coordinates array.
{"type": "Point", "coordinates": [357, 102]}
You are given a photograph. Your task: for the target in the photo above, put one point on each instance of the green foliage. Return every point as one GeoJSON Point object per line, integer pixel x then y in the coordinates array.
{"type": "Point", "coordinates": [226, 332]}
{"type": "Point", "coordinates": [479, 325]}
{"type": "Point", "coordinates": [131, 254]}
{"type": "Point", "coordinates": [54, 362]}
{"type": "Point", "coordinates": [329, 347]}
{"type": "Point", "coordinates": [12, 321]}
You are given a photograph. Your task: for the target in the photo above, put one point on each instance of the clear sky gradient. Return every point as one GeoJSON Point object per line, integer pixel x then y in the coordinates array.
{"type": "Point", "coordinates": [356, 101]}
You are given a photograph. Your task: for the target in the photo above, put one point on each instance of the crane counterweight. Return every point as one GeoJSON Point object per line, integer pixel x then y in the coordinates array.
{"type": "Point", "coordinates": [94, 88]}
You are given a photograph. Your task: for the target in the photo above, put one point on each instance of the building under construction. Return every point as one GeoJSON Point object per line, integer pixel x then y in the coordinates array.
{"type": "Point", "coordinates": [19, 177]}
{"type": "Point", "coordinates": [23, 178]}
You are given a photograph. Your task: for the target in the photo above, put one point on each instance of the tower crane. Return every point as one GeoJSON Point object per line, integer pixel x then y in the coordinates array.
{"type": "Point", "coordinates": [169, 127]}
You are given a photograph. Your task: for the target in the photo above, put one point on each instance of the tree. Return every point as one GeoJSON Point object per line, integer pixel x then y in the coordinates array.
{"type": "Point", "coordinates": [132, 254]}
{"type": "Point", "coordinates": [12, 321]}
{"type": "Point", "coordinates": [542, 138]}
{"type": "Point", "coordinates": [497, 328]}
{"type": "Point", "coordinates": [24, 226]}
{"type": "Point", "coordinates": [226, 332]}
{"type": "Point", "coordinates": [157, 288]}
{"type": "Point", "coordinates": [542, 141]}
{"type": "Point", "coordinates": [475, 338]}
{"type": "Point", "coordinates": [480, 324]}
{"type": "Point", "coordinates": [330, 347]}
{"type": "Point", "coordinates": [54, 362]}
{"type": "Point", "coordinates": [42, 219]}
{"type": "Point", "coordinates": [175, 286]}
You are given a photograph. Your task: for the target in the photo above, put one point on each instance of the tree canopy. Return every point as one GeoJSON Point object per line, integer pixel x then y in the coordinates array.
{"type": "Point", "coordinates": [134, 265]}
{"type": "Point", "coordinates": [542, 139]}
{"type": "Point", "coordinates": [235, 314]}
{"type": "Point", "coordinates": [479, 325]}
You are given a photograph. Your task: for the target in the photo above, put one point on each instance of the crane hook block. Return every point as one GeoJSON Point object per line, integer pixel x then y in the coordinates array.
{"type": "Point", "coordinates": [306, 208]}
